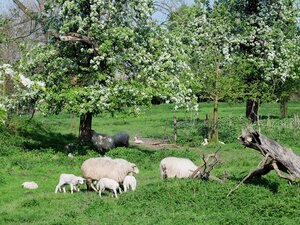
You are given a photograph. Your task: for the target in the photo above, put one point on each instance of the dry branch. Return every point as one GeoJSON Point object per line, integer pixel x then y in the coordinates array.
{"type": "Point", "coordinates": [276, 157]}
{"type": "Point", "coordinates": [203, 171]}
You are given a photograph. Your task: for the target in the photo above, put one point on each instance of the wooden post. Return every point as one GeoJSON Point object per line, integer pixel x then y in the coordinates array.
{"type": "Point", "coordinates": [175, 127]}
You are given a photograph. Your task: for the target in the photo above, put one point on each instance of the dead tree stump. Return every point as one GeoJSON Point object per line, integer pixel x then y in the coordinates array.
{"type": "Point", "coordinates": [276, 157]}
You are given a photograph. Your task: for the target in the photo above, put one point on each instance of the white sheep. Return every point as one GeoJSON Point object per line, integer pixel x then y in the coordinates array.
{"type": "Point", "coordinates": [173, 167]}
{"type": "Point", "coordinates": [107, 183]}
{"type": "Point", "coordinates": [129, 181]}
{"type": "Point", "coordinates": [30, 185]}
{"type": "Point", "coordinates": [106, 167]}
{"type": "Point", "coordinates": [72, 180]}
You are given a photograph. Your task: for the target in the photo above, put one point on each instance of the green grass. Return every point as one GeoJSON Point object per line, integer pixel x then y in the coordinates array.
{"type": "Point", "coordinates": [35, 151]}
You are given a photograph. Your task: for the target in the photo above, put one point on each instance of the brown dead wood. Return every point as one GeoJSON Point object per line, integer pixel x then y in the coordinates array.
{"type": "Point", "coordinates": [203, 172]}
{"type": "Point", "coordinates": [275, 157]}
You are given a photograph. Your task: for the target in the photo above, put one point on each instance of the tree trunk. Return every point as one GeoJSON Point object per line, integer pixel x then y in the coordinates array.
{"type": "Point", "coordinates": [215, 132]}
{"type": "Point", "coordinates": [85, 126]}
{"type": "Point", "coordinates": [175, 127]}
{"type": "Point", "coordinates": [283, 158]}
{"type": "Point", "coordinates": [283, 106]}
{"type": "Point", "coordinates": [276, 157]}
{"type": "Point", "coordinates": [252, 110]}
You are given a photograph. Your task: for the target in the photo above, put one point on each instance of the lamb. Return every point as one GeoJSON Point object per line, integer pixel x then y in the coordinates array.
{"type": "Point", "coordinates": [106, 167]}
{"type": "Point", "coordinates": [72, 180]}
{"type": "Point", "coordinates": [173, 167]}
{"type": "Point", "coordinates": [107, 183]}
{"type": "Point", "coordinates": [129, 181]}
{"type": "Point", "coordinates": [30, 185]}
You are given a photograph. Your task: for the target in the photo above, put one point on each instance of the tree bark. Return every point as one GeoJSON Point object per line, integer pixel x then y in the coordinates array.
{"type": "Point", "coordinates": [276, 157]}
{"type": "Point", "coordinates": [252, 110]}
{"type": "Point", "coordinates": [282, 158]}
{"type": "Point", "coordinates": [85, 126]}
{"type": "Point", "coordinates": [283, 106]}
{"type": "Point", "coordinates": [215, 132]}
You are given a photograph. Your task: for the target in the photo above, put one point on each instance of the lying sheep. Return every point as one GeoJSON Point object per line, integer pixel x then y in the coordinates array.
{"type": "Point", "coordinates": [129, 181]}
{"type": "Point", "coordinates": [72, 180]}
{"type": "Point", "coordinates": [107, 183]}
{"type": "Point", "coordinates": [173, 167]}
{"type": "Point", "coordinates": [30, 185]}
{"type": "Point", "coordinates": [106, 167]}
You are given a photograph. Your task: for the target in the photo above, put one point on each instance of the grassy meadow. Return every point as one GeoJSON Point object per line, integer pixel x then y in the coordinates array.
{"type": "Point", "coordinates": [35, 152]}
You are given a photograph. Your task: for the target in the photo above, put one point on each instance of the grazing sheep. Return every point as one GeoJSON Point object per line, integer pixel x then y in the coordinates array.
{"type": "Point", "coordinates": [129, 181]}
{"type": "Point", "coordinates": [107, 183]}
{"type": "Point", "coordinates": [104, 142]}
{"type": "Point", "coordinates": [72, 180]}
{"type": "Point", "coordinates": [106, 167]}
{"type": "Point", "coordinates": [173, 167]}
{"type": "Point", "coordinates": [121, 139]}
{"type": "Point", "coordinates": [30, 185]}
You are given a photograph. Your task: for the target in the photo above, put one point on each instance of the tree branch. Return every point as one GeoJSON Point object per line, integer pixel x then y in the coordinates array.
{"type": "Point", "coordinates": [24, 9]}
{"type": "Point", "coordinates": [74, 37]}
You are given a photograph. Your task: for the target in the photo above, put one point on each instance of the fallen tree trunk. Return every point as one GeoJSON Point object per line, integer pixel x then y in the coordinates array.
{"type": "Point", "coordinates": [286, 160]}
{"type": "Point", "coordinates": [276, 157]}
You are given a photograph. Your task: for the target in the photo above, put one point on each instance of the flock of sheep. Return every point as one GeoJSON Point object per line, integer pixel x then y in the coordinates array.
{"type": "Point", "coordinates": [105, 173]}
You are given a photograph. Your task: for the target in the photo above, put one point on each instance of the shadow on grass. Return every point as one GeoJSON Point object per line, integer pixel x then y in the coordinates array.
{"type": "Point", "coordinates": [142, 149]}
{"type": "Point", "coordinates": [37, 137]}
{"type": "Point", "coordinates": [259, 181]}
{"type": "Point", "coordinates": [264, 117]}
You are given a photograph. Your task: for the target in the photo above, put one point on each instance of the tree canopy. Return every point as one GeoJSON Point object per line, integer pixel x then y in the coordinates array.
{"type": "Point", "coordinates": [105, 56]}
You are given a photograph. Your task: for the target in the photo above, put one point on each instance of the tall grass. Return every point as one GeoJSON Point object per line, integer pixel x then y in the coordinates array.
{"type": "Point", "coordinates": [35, 151]}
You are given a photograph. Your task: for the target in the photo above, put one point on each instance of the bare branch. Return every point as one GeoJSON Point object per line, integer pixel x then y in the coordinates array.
{"type": "Point", "coordinates": [74, 37]}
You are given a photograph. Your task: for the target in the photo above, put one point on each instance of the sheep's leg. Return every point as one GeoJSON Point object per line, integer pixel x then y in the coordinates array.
{"type": "Point", "coordinates": [75, 188]}
{"type": "Point", "coordinates": [125, 188]}
{"type": "Point", "coordinates": [120, 190]}
{"type": "Point", "coordinates": [100, 190]}
{"type": "Point", "coordinates": [71, 187]}
{"type": "Point", "coordinates": [115, 191]}
{"type": "Point", "coordinates": [57, 188]}
{"type": "Point", "coordinates": [89, 183]}
{"type": "Point", "coordinates": [78, 189]}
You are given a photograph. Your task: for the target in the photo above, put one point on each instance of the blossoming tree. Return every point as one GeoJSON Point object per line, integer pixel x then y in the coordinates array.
{"type": "Point", "coordinates": [210, 40]}
{"type": "Point", "coordinates": [269, 50]}
{"type": "Point", "coordinates": [105, 56]}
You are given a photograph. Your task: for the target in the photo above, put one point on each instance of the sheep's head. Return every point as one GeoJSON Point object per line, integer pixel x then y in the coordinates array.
{"type": "Point", "coordinates": [134, 168]}
{"type": "Point", "coordinates": [81, 180]}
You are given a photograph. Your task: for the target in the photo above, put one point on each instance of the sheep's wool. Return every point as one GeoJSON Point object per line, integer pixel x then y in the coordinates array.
{"type": "Point", "coordinates": [30, 185]}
